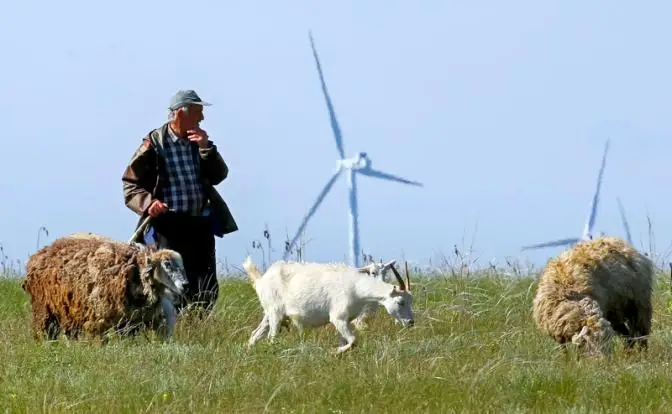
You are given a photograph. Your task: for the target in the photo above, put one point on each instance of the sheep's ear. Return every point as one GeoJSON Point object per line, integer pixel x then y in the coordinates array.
{"type": "Point", "coordinates": [178, 259]}
{"type": "Point", "coordinates": [149, 265]}
{"type": "Point", "coordinates": [576, 339]}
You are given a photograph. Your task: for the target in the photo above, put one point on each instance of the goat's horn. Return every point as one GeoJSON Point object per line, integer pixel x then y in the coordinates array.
{"type": "Point", "coordinates": [402, 285]}
{"type": "Point", "coordinates": [408, 279]}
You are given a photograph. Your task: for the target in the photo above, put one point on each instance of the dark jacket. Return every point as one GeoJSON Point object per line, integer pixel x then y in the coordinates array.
{"type": "Point", "coordinates": [143, 180]}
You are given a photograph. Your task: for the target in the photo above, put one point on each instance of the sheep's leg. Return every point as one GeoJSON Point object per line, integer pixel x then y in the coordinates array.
{"type": "Point", "coordinates": [51, 326]}
{"type": "Point", "coordinates": [621, 329]}
{"type": "Point", "coordinates": [44, 322]}
{"type": "Point", "coordinates": [642, 339]}
{"type": "Point", "coordinates": [640, 320]}
{"type": "Point", "coordinates": [344, 329]}
{"type": "Point", "coordinates": [40, 317]}
{"type": "Point", "coordinates": [258, 332]}
{"type": "Point", "coordinates": [171, 315]}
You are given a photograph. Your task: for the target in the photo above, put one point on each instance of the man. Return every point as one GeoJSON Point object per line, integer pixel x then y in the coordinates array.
{"type": "Point", "coordinates": [171, 178]}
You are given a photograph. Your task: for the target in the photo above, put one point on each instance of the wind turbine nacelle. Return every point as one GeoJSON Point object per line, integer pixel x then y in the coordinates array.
{"type": "Point", "coordinates": [357, 162]}
{"type": "Point", "coordinates": [362, 161]}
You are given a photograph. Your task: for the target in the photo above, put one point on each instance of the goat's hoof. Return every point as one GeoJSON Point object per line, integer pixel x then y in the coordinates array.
{"type": "Point", "coordinates": [341, 349]}
{"type": "Point", "coordinates": [335, 351]}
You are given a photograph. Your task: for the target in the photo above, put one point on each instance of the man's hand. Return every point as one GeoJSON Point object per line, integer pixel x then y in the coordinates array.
{"type": "Point", "coordinates": [198, 136]}
{"type": "Point", "coordinates": [156, 208]}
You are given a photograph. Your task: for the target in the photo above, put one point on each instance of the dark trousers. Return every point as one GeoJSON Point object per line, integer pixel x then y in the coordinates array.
{"type": "Point", "coordinates": [192, 237]}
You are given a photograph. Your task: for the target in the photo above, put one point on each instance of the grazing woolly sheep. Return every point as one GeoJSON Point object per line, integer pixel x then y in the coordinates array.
{"type": "Point", "coordinates": [314, 294]}
{"type": "Point", "coordinates": [594, 291]}
{"type": "Point", "coordinates": [88, 284]}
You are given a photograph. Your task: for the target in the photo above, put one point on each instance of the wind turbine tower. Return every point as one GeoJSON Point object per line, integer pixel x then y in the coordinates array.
{"type": "Point", "coordinates": [590, 223]}
{"type": "Point", "coordinates": [359, 164]}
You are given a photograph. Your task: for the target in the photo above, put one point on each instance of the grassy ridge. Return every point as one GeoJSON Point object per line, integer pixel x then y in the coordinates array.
{"type": "Point", "coordinates": [474, 349]}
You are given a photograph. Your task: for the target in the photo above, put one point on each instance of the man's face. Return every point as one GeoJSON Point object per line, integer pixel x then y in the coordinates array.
{"type": "Point", "coordinates": [192, 117]}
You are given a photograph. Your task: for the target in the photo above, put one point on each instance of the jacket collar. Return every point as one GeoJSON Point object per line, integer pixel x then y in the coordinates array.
{"type": "Point", "coordinates": [173, 137]}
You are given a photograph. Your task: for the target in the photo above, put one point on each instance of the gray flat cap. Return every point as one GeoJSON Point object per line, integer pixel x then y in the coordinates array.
{"type": "Point", "coordinates": [184, 98]}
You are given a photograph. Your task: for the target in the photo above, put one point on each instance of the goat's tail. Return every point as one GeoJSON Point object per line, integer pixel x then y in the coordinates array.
{"type": "Point", "coordinates": [251, 269]}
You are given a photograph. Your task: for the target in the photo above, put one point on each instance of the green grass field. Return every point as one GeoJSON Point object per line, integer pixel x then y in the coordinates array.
{"type": "Point", "coordinates": [474, 349]}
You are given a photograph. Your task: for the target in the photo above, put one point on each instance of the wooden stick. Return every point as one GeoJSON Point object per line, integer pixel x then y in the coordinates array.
{"type": "Point", "coordinates": [140, 229]}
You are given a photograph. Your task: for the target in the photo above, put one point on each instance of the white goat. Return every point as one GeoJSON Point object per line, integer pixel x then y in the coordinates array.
{"type": "Point", "coordinates": [314, 294]}
{"type": "Point", "coordinates": [375, 270]}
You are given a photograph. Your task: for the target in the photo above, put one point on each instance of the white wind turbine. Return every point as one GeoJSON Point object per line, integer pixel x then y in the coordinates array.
{"type": "Point", "coordinates": [588, 228]}
{"type": "Point", "coordinates": [359, 164]}
{"type": "Point", "coordinates": [624, 221]}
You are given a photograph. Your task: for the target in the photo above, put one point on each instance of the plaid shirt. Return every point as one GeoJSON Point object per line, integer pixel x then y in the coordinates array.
{"type": "Point", "coordinates": [183, 191]}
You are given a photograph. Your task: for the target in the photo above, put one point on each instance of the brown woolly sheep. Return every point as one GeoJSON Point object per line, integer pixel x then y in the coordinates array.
{"type": "Point", "coordinates": [593, 291]}
{"type": "Point", "coordinates": [90, 284]}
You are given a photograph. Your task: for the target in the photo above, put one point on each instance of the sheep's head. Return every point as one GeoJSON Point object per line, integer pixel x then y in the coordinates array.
{"type": "Point", "coordinates": [595, 337]}
{"type": "Point", "coordinates": [164, 269]}
{"type": "Point", "coordinates": [400, 300]}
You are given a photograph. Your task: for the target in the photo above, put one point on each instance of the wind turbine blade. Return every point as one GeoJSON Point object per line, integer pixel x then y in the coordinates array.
{"type": "Point", "coordinates": [332, 114]}
{"type": "Point", "coordinates": [387, 176]}
{"type": "Point", "coordinates": [624, 220]}
{"type": "Point", "coordinates": [588, 229]}
{"type": "Point", "coordinates": [312, 210]}
{"type": "Point", "coordinates": [555, 243]}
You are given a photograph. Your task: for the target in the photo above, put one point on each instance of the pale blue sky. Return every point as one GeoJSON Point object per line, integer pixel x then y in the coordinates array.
{"type": "Point", "coordinates": [500, 108]}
